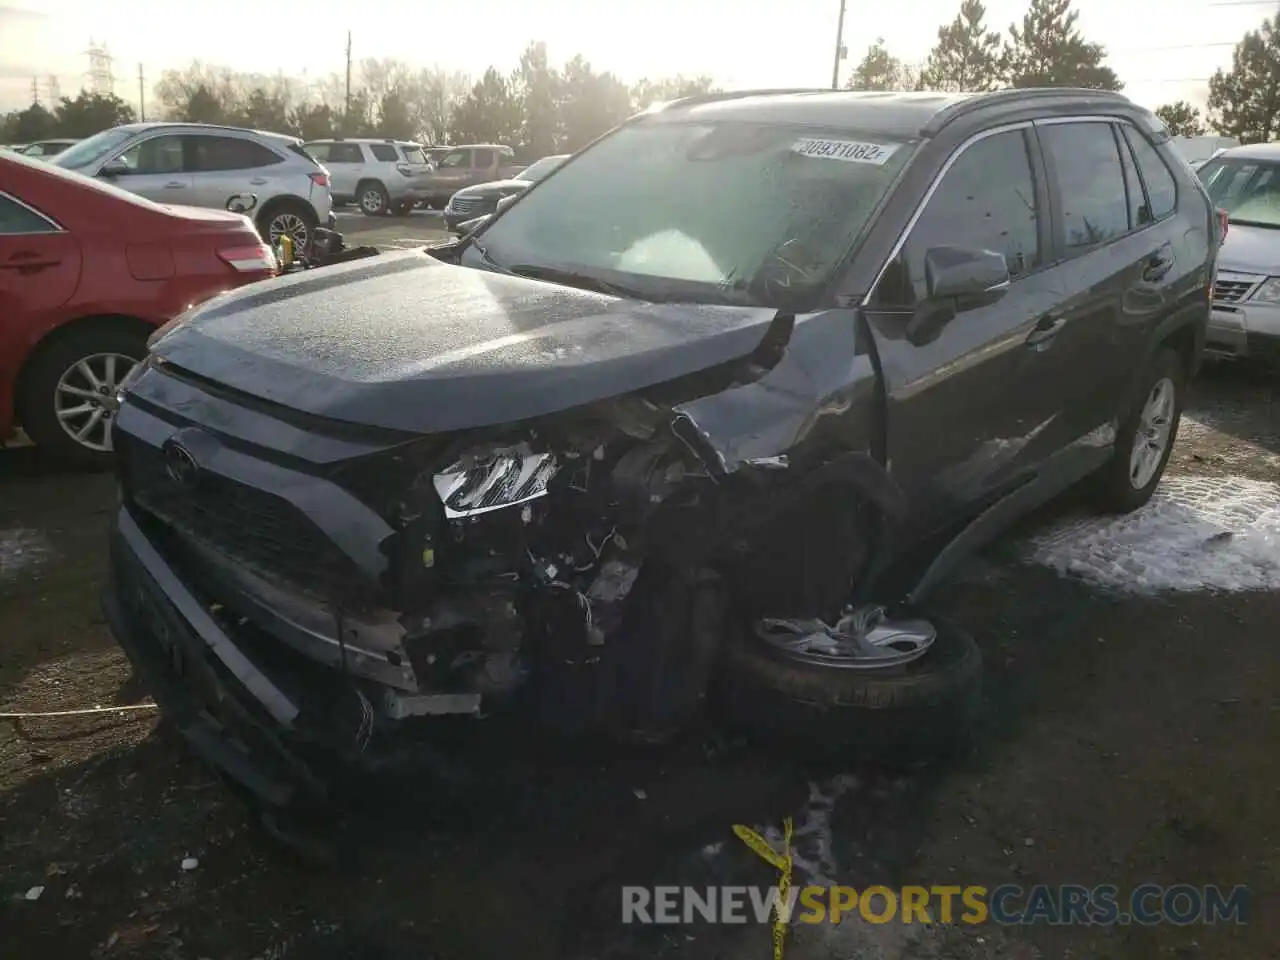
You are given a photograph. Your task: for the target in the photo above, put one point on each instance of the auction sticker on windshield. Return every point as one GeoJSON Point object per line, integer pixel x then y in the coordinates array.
{"type": "Point", "coordinates": [850, 151]}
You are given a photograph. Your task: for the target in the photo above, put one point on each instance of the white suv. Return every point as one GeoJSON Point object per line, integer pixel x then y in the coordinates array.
{"type": "Point", "coordinates": [380, 175]}
{"type": "Point", "coordinates": [203, 165]}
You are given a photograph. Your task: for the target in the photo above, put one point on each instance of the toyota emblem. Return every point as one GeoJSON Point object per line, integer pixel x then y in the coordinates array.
{"type": "Point", "coordinates": [179, 464]}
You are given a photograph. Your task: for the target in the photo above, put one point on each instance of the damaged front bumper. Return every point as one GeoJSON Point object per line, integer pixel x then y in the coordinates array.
{"type": "Point", "coordinates": [307, 598]}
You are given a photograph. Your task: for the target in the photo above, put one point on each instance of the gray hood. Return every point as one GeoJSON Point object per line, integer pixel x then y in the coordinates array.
{"type": "Point", "coordinates": [1251, 250]}
{"type": "Point", "coordinates": [406, 342]}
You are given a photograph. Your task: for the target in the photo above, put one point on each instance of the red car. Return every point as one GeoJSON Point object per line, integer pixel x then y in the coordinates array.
{"type": "Point", "coordinates": [87, 272]}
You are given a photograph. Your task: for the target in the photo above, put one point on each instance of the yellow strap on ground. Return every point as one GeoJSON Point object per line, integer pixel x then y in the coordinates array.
{"type": "Point", "coordinates": [782, 863]}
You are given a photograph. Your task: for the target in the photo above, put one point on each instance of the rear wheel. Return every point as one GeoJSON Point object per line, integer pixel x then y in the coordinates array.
{"type": "Point", "coordinates": [68, 400]}
{"type": "Point", "coordinates": [1146, 436]}
{"type": "Point", "coordinates": [297, 221]}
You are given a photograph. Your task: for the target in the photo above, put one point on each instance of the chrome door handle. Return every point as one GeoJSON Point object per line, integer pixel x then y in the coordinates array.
{"type": "Point", "coordinates": [175, 185]}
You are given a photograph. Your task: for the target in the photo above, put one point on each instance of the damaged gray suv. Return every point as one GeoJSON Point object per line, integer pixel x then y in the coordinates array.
{"type": "Point", "coordinates": [698, 419]}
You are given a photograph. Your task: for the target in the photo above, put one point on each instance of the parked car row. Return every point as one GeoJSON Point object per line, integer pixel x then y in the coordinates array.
{"type": "Point", "coordinates": [87, 272]}
{"type": "Point", "coordinates": [649, 433]}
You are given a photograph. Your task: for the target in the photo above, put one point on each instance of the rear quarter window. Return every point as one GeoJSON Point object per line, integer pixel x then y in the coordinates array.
{"type": "Point", "coordinates": [385, 152]}
{"type": "Point", "coordinates": [1162, 189]}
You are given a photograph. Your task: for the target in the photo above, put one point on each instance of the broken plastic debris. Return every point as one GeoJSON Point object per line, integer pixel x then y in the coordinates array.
{"type": "Point", "coordinates": [190, 863]}
{"type": "Point", "coordinates": [34, 893]}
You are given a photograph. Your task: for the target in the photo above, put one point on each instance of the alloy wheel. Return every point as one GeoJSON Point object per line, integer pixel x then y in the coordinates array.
{"type": "Point", "coordinates": [85, 400]}
{"type": "Point", "coordinates": [1151, 439]}
{"type": "Point", "coordinates": [289, 225]}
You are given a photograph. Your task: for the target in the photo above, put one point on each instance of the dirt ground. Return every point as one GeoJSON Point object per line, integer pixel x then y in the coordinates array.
{"type": "Point", "coordinates": [1125, 740]}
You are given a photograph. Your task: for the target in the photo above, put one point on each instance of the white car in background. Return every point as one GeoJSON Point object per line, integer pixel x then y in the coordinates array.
{"type": "Point", "coordinates": [204, 165]}
{"type": "Point", "coordinates": [1245, 321]}
{"type": "Point", "coordinates": [380, 176]}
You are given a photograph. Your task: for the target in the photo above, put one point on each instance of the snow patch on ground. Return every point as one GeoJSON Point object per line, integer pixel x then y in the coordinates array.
{"type": "Point", "coordinates": [1197, 533]}
{"type": "Point", "coordinates": [20, 550]}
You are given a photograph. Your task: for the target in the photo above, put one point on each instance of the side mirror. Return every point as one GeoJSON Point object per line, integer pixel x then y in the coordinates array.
{"type": "Point", "coordinates": [956, 279]}
{"type": "Point", "coordinates": [242, 202]}
{"type": "Point", "coordinates": [969, 275]}
{"type": "Point", "coordinates": [506, 201]}
{"type": "Point", "coordinates": [468, 227]}
{"type": "Point", "coordinates": [116, 167]}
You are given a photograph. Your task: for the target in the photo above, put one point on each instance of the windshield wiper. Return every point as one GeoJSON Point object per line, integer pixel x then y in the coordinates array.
{"type": "Point", "coordinates": [571, 278]}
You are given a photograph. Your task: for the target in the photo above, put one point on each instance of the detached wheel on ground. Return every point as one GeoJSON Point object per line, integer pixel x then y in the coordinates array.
{"type": "Point", "coordinates": [922, 709]}
{"type": "Point", "coordinates": [68, 398]}
{"type": "Point", "coordinates": [1146, 436]}
{"type": "Point", "coordinates": [373, 199]}
{"type": "Point", "coordinates": [294, 220]}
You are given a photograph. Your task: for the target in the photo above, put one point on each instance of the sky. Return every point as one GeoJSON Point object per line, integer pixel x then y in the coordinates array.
{"type": "Point", "coordinates": [1163, 52]}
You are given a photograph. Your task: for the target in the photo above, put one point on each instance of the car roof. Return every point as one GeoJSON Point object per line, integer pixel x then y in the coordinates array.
{"type": "Point", "coordinates": [893, 113]}
{"type": "Point", "coordinates": [1250, 151]}
{"type": "Point", "coordinates": [176, 127]}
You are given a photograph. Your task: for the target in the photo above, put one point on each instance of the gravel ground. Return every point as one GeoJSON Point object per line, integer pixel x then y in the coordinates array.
{"type": "Point", "coordinates": [1126, 738]}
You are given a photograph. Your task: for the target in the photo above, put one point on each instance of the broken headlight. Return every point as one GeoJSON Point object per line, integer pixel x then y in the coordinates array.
{"type": "Point", "coordinates": [480, 483]}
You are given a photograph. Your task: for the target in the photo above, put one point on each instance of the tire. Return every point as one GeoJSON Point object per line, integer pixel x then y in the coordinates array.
{"type": "Point", "coordinates": [372, 198]}
{"type": "Point", "coordinates": [296, 219]}
{"type": "Point", "coordinates": [1117, 489]}
{"type": "Point", "coordinates": [41, 394]}
{"type": "Point", "coordinates": [924, 710]}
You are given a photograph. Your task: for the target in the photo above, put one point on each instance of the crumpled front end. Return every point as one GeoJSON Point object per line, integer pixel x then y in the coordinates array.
{"type": "Point", "coordinates": [337, 585]}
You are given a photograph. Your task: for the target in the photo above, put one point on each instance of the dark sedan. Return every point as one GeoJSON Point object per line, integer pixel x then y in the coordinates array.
{"type": "Point", "coordinates": [482, 199]}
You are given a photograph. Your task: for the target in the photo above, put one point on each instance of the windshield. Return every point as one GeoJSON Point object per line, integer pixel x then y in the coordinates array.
{"type": "Point", "coordinates": [1249, 190]}
{"type": "Point", "coordinates": [721, 211]}
{"type": "Point", "coordinates": [539, 168]}
{"type": "Point", "coordinates": [93, 149]}
{"type": "Point", "coordinates": [413, 154]}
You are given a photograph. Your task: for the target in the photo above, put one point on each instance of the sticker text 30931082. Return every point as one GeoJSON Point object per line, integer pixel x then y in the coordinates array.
{"type": "Point", "coordinates": [850, 151]}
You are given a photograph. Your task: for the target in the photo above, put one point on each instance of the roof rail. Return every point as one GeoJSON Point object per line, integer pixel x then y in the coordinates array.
{"type": "Point", "coordinates": [956, 110]}
{"type": "Point", "coordinates": [715, 96]}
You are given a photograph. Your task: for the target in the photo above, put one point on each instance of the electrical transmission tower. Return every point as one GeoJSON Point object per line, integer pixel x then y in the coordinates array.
{"type": "Point", "coordinates": [101, 77]}
{"type": "Point", "coordinates": [53, 88]}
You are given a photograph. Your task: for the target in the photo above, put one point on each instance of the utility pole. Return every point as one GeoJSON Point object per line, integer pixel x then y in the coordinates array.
{"type": "Point", "coordinates": [35, 91]}
{"type": "Point", "coordinates": [841, 50]}
{"type": "Point", "coordinates": [142, 95]}
{"type": "Point", "coordinates": [347, 109]}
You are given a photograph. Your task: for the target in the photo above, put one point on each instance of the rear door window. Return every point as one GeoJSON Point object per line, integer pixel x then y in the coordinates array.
{"type": "Point", "coordinates": [232, 153]}
{"type": "Point", "coordinates": [1162, 189]}
{"type": "Point", "coordinates": [483, 158]}
{"type": "Point", "coordinates": [455, 159]}
{"type": "Point", "coordinates": [384, 152]}
{"type": "Point", "coordinates": [1090, 180]}
{"type": "Point", "coordinates": [345, 153]}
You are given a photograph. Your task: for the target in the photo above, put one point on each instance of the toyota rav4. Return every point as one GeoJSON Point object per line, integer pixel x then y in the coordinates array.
{"type": "Point", "coordinates": [709, 408]}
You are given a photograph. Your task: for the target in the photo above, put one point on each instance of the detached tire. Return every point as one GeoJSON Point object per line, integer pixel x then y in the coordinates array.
{"type": "Point", "coordinates": [923, 710]}
{"type": "Point", "coordinates": [55, 379]}
{"type": "Point", "coordinates": [1121, 486]}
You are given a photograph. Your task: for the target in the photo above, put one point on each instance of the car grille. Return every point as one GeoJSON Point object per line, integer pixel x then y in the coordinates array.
{"type": "Point", "coordinates": [474, 205]}
{"type": "Point", "coordinates": [259, 530]}
{"type": "Point", "coordinates": [1231, 291]}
